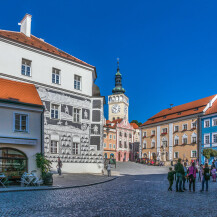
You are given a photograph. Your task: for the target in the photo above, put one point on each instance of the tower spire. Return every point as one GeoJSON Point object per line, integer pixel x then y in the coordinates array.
{"type": "Point", "coordinates": [118, 81]}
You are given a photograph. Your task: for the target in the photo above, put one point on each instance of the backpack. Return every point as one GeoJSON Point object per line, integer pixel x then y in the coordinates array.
{"type": "Point", "coordinates": [206, 174]}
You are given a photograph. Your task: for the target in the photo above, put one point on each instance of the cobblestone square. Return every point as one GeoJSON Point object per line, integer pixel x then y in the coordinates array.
{"type": "Point", "coordinates": [139, 191]}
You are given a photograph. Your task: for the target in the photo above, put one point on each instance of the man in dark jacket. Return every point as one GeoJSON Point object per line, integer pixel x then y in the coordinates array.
{"type": "Point", "coordinates": [179, 169]}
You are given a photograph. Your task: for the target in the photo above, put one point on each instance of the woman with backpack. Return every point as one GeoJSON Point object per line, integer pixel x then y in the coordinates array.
{"type": "Point", "coordinates": [206, 177]}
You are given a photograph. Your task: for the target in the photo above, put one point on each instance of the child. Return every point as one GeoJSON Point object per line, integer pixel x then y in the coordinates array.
{"type": "Point", "coordinates": [213, 171]}
{"type": "Point", "coordinates": [170, 178]}
{"type": "Point", "coordinates": [109, 169]}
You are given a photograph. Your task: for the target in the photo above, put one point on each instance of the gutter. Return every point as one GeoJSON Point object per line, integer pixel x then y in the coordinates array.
{"type": "Point", "coordinates": [42, 131]}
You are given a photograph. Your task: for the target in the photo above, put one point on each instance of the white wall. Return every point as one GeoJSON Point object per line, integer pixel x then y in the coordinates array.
{"type": "Point", "coordinates": [10, 64]}
{"type": "Point", "coordinates": [6, 130]}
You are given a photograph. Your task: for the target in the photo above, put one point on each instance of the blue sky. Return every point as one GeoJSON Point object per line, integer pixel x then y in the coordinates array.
{"type": "Point", "coordinates": [167, 49]}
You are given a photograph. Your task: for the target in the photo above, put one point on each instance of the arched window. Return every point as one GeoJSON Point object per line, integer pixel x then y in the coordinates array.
{"type": "Point", "coordinates": [164, 142]}
{"type": "Point", "coordinates": [184, 139]}
{"type": "Point", "coordinates": [176, 140]}
{"type": "Point", "coordinates": [13, 163]}
{"type": "Point", "coordinates": [194, 138]}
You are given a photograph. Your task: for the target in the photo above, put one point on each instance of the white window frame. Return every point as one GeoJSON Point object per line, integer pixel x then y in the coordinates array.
{"type": "Point", "coordinates": [144, 145]}
{"type": "Point", "coordinates": [59, 106]}
{"type": "Point", "coordinates": [57, 146]}
{"type": "Point", "coordinates": [204, 138]}
{"type": "Point", "coordinates": [75, 117]}
{"type": "Point", "coordinates": [114, 137]}
{"type": "Point", "coordinates": [183, 128]}
{"type": "Point", "coordinates": [77, 82]}
{"type": "Point", "coordinates": [176, 139]}
{"type": "Point", "coordinates": [192, 154]}
{"type": "Point", "coordinates": [213, 134]}
{"type": "Point", "coordinates": [194, 122]}
{"type": "Point", "coordinates": [153, 146]}
{"type": "Point", "coordinates": [104, 145]}
{"type": "Point", "coordinates": [26, 66]}
{"type": "Point", "coordinates": [153, 132]}
{"type": "Point", "coordinates": [110, 146]}
{"type": "Point", "coordinates": [165, 128]}
{"type": "Point", "coordinates": [214, 119]}
{"type": "Point", "coordinates": [76, 150]}
{"type": "Point", "coordinates": [144, 134]}
{"type": "Point", "coordinates": [205, 120]}
{"type": "Point", "coordinates": [27, 122]}
{"type": "Point", "coordinates": [110, 136]}
{"type": "Point", "coordinates": [56, 74]}
{"type": "Point", "coordinates": [175, 155]}
{"type": "Point", "coordinates": [114, 146]}
{"type": "Point", "coordinates": [104, 135]}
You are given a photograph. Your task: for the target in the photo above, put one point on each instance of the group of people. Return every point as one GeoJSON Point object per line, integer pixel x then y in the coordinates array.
{"type": "Point", "coordinates": [182, 174]}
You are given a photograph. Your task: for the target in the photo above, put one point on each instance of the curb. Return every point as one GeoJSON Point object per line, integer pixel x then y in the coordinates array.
{"type": "Point", "coordinates": [59, 188]}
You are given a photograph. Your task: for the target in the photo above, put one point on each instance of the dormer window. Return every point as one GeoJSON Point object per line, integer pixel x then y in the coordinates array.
{"type": "Point", "coordinates": [26, 67]}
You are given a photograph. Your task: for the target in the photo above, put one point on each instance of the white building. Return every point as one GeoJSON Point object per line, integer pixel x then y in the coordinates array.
{"type": "Point", "coordinates": [21, 115]}
{"type": "Point", "coordinates": [73, 106]}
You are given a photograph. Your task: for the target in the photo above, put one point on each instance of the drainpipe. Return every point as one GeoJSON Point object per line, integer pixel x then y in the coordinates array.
{"type": "Point", "coordinates": [199, 134]}
{"type": "Point", "coordinates": [42, 131]}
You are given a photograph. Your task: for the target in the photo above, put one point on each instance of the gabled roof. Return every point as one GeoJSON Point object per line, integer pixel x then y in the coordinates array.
{"type": "Point", "coordinates": [38, 44]}
{"type": "Point", "coordinates": [19, 92]}
{"type": "Point", "coordinates": [113, 124]}
{"type": "Point", "coordinates": [212, 109]}
{"type": "Point", "coordinates": [190, 108]}
{"type": "Point", "coordinates": [134, 125]}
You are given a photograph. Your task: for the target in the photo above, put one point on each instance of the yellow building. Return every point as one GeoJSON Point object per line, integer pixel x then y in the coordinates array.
{"type": "Point", "coordinates": [172, 133]}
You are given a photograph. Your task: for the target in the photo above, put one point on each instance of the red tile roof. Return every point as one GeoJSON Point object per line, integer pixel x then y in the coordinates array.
{"type": "Point", "coordinates": [212, 109]}
{"type": "Point", "coordinates": [113, 124]}
{"type": "Point", "coordinates": [134, 125]}
{"type": "Point", "coordinates": [19, 91]}
{"type": "Point", "coordinates": [38, 44]}
{"type": "Point", "coordinates": [190, 108]}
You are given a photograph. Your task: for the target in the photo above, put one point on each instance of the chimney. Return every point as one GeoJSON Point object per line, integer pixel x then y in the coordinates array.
{"type": "Point", "coordinates": [25, 25]}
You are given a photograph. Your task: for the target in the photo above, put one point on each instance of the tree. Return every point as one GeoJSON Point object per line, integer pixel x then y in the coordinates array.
{"type": "Point", "coordinates": [136, 122]}
{"type": "Point", "coordinates": [208, 153]}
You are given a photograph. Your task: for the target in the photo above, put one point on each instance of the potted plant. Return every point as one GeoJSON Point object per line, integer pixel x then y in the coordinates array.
{"type": "Point", "coordinates": [45, 165]}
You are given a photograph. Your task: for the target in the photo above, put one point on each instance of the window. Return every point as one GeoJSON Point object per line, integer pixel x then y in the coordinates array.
{"type": "Point", "coordinates": [194, 125]}
{"type": "Point", "coordinates": [144, 145]}
{"type": "Point", "coordinates": [176, 141]}
{"type": "Point", "coordinates": [206, 123]}
{"type": "Point", "coordinates": [153, 144]}
{"type": "Point", "coordinates": [53, 147]}
{"type": "Point", "coordinates": [125, 144]}
{"type": "Point", "coordinates": [125, 134]}
{"type": "Point", "coordinates": [214, 121]}
{"type": "Point", "coordinates": [153, 132]}
{"type": "Point", "coordinates": [176, 129]}
{"type": "Point", "coordinates": [110, 146]}
{"type": "Point", "coordinates": [75, 148]}
{"type": "Point", "coordinates": [55, 111]}
{"type": "Point", "coordinates": [110, 136]}
{"type": "Point", "coordinates": [104, 145]}
{"type": "Point", "coordinates": [114, 137]}
{"type": "Point", "coordinates": [185, 141]}
{"type": "Point", "coordinates": [144, 134]}
{"type": "Point", "coordinates": [194, 139]}
{"type": "Point", "coordinates": [120, 144]}
{"type": "Point", "coordinates": [176, 154]}
{"type": "Point", "coordinates": [185, 126]}
{"type": "Point", "coordinates": [114, 146]}
{"type": "Point", "coordinates": [164, 143]}
{"type": "Point", "coordinates": [77, 82]}
{"type": "Point", "coordinates": [214, 138]}
{"type": "Point", "coordinates": [21, 122]}
{"type": "Point", "coordinates": [206, 139]}
{"type": "Point", "coordinates": [56, 76]}
{"type": "Point", "coordinates": [77, 115]}
{"type": "Point", "coordinates": [164, 130]}
{"type": "Point", "coordinates": [130, 135]}
{"type": "Point", "coordinates": [104, 135]}
{"type": "Point", "coordinates": [193, 153]}
{"type": "Point", "coordinates": [26, 67]}
{"type": "Point", "coordinates": [120, 134]}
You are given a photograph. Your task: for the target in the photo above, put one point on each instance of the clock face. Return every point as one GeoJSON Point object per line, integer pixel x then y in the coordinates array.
{"type": "Point", "coordinates": [125, 109]}
{"type": "Point", "coordinates": [115, 108]}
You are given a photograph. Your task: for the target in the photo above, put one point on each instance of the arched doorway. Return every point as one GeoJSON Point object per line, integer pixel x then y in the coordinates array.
{"type": "Point", "coordinates": [119, 156]}
{"type": "Point", "coordinates": [13, 163]}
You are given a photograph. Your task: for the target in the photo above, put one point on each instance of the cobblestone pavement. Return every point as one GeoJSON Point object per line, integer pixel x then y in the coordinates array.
{"type": "Point", "coordinates": [142, 193]}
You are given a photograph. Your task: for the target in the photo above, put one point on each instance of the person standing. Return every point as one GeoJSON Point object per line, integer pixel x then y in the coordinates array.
{"type": "Point", "coordinates": [192, 170]}
{"type": "Point", "coordinates": [170, 178]}
{"type": "Point", "coordinates": [179, 169]}
{"type": "Point", "coordinates": [59, 166]}
{"type": "Point", "coordinates": [109, 169]}
{"type": "Point", "coordinates": [200, 173]}
{"type": "Point", "coordinates": [213, 171]}
{"type": "Point", "coordinates": [185, 175]}
{"type": "Point", "coordinates": [206, 177]}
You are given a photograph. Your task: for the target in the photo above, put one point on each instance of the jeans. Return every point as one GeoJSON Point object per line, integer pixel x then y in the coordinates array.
{"type": "Point", "coordinates": [109, 172]}
{"type": "Point", "coordinates": [191, 180]}
{"type": "Point", "coordinates": [203, 181]}
{"type": "Point", "coordinates": [179, 181]}
{"type": "Point", "coordinates": [184, 179]}
{"type": "Point", "coordinates": [59, 171]}
{"type": "Point", "coordinates": [171, 184]}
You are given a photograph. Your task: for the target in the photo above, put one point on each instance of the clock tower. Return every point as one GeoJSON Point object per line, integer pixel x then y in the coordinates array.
{"type": "Point", "coordinates": [118, 102]}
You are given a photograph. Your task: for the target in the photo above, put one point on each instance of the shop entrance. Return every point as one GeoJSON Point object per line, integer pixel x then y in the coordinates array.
{"type": "Point", "coordinates": [13, 163]}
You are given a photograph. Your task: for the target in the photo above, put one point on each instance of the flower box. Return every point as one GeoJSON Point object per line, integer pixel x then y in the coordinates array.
{"type": "Point", "coordinates": [144, 137]}
{"type": "Point", "coordinates": [163, 134]}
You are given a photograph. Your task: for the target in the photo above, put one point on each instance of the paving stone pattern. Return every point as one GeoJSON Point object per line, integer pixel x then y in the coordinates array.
{"type": "Point", "coordinates": [141, 192]}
